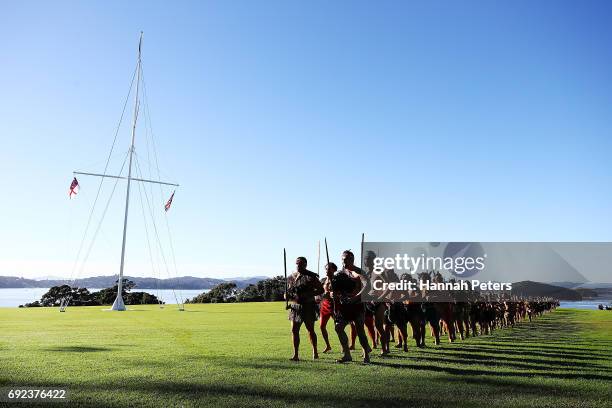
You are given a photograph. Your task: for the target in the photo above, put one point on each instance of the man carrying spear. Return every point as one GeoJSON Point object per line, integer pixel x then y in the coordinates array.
{"type": "Point", "coordinates": [326, 305]}
{"type": "Point", "coordinates": [301, 288]}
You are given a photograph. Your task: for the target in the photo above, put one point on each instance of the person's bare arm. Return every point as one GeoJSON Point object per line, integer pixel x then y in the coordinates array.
{"type": "Point", "coordinates": [364, 285]}
{"type": "Point", "coordinates": [290, 294]}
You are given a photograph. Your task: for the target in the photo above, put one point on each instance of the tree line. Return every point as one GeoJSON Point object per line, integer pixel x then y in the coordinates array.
{"type": "Point", "coordinates": [266, 290]}
{"type": "Point", "coordinates": [83, 297]}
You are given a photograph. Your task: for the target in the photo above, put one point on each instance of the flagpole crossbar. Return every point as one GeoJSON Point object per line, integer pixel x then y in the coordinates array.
{"type": "Point", "coordinates": [125, 178]}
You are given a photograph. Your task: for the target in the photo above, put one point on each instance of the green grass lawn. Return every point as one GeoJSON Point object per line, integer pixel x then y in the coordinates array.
{"type": "Point", "coordinates": [237, 355]}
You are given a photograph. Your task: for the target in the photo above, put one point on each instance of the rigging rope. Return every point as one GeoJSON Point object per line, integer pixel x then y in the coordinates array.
{"type": "Point", "coordinates": [161, 250]}
{"type": "Point", "coordinates": [150, 187]}
{"type": "Point", "coordinates": [148, 133]}
{"type": "Point", "coordinates": [93, 240]}
{"type": "Point", "coordinates": [147, 116]}
{"type": "Point", "coordinates": [144, 216]}
{"type": "Point", "coordinates": [110, 153]}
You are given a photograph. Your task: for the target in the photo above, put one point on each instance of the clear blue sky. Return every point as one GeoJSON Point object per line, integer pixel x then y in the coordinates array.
{"type": "Point", "coordinates": [285, 122]}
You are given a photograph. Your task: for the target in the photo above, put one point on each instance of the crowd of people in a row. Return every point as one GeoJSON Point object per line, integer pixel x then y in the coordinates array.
{"type": "Point", "coordinates": [347, 297]}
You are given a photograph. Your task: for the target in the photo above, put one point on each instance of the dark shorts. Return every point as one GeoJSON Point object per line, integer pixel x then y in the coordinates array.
{"type": "Point", "coordinates": [306, 312]}
{"type": "Point", "coordinates": [414, 313]}
{"type": "Point", "coordinates": [431, 314]}
{"type": "Point", "coordinates": [370, 308]}
{"type": "Point", "coordinates": [352, 312]}
{"type": "Point", "coordinates": [396, 314]}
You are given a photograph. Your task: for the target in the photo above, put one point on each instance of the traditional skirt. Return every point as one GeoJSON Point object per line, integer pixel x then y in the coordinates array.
{"type": "Point", "coordinates": [396, 314]}
{"type": "Point", "coordinates": [414, 313]}
{"type": "Point", "coordinates": [431, 314]}
{"type": "Point", "coordinates": [370, 308]}
{"type": "Point", "coordinates": [304, 312]}
{"type": "Point", "coordinates": [349, 312]}
{"type": "Point", "coordinates": [327, 308]}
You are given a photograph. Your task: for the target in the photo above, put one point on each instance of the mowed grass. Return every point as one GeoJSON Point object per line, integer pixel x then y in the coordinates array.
{"type": "Point", "coordinates": [237, 355]}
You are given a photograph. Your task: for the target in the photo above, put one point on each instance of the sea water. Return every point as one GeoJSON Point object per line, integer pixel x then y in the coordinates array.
{"type": "Point", "coordinates": [13, 297]}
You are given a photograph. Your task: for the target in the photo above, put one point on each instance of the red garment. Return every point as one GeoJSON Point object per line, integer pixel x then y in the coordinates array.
{"type": "Point", "coordinates": [326, 308]}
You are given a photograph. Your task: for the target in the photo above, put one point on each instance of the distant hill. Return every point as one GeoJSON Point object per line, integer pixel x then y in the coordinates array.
{"type": "Point", "coordinates": [535, 289]}
{"type": "Point", "coordinates": [246, 281]}
{"type": "Point", "coordinates": [567, 285]}
{"type": "Point", "coordinates": [587, 293]}
{"type": "Point", "coordinates": [588, 290]}
{"type": "Point", "coordinates": [15, 282]}
{"type": "Point", "coordinates": [596, 285]}
{"type": "Point", "coordinates": [184, 282]}
{"type": "Point", "coordinates": [605, 292]}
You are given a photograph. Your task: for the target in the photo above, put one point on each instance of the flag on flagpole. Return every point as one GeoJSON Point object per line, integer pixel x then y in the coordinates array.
{"type": "Point", "coordinates": [169, 203]}
{"type": "Point", "coordinates": [74, 188]}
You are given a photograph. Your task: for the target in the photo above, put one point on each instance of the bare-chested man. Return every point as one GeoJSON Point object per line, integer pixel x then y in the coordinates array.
{"type": "Point", "coordinates": [302, 287]}
{"type": "Point", "coordinates": [326, 305]}
{"type": "Point", "coordinates": [379, 307]}
{"type": "Point", "coordinates": [347, 287]}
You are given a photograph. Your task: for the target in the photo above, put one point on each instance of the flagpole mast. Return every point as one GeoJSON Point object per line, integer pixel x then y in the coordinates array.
{"type": "Point", "coordinates": [119, 305]}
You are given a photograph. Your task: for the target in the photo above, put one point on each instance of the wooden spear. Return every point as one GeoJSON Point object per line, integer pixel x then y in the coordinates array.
{"type": "Point", "coordinates": [361, 262]}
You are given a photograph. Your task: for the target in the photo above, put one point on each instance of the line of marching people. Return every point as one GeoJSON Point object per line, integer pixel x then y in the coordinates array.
{"type": "Point", "coordinates": [385, 316]}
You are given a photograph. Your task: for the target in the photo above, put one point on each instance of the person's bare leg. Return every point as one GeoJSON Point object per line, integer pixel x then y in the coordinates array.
{"type": "Point", "coordinates": [403, 335]}
{"type": "Point", "coordinates": [344, 342]}
{"type": "Point", "coordinates": [369, 324]}
{"type": "Point", "coordinates": [328, 347]}
{"type": "Point", "coordinates": [325, 334]}
{"type": "Point", "coordinates": [353, 336]}
{"type": "Point", "coordinates": [416, 331]}
{"type": "Point", "coordinates": [295, 334]}
{"type": "Point", "coordinates": [459, 327]}
{"type": "Point", "coordinates": [379, 322]}
{"type": "Point", "coordinates": [400, 339]}
{"type": "Point", "coordinates": [435, 332]}
{"type": "Point", "coordinates": [313, 338]}
{"type": "Point", "coordinates": [363, 341]}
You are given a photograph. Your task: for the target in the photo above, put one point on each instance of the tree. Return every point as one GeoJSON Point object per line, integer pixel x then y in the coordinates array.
{"type": "Point", "coordinates": [82, 297]}
{"type": "Point", "coordinates": [107, 296]}
{"type": "Point", "coordinates": [225, 292]}
{"type": "Point", "coordinates": [273, 289]}
{"type": "Point", "coordinates": [36, 303]}
{"type": "Point", "coordinates": [267, 290]}
{"type": "Point", "coordinates": [141, 298]}
{"type": "Point", "coordinates": [251, 293]}
{"type": "Point", "coordinates": [56, 295]}
{"type": "Point", "coordinates": [75, 296]}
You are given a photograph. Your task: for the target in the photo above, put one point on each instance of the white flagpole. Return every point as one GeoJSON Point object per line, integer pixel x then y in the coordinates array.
{"type": "Point", "coordinates": [119, 305]}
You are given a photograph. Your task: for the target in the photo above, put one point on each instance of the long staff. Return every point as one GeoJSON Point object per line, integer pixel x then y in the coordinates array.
{"type": "Point", "coordinates": [333, 301]}
{"type": "Point", "coordinates": [361, 261]}
{"type": "Point", "coordinates": [319, 258]}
